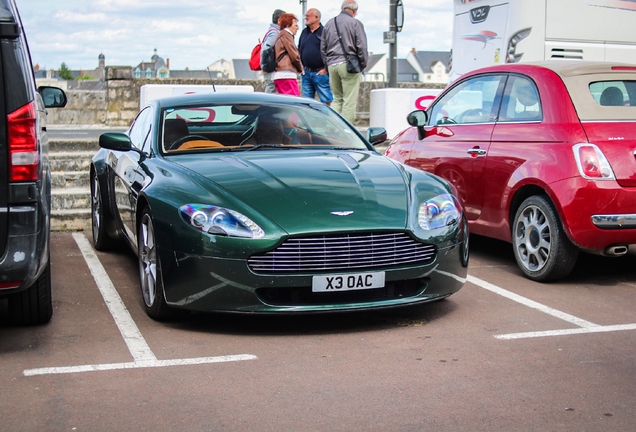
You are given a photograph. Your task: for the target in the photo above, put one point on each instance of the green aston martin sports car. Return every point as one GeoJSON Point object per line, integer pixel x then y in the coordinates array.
{"type": "Point", "coordinates": [250, 202]}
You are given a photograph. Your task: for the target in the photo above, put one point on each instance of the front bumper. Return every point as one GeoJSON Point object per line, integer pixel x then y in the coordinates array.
{"type": "Point", "coordinates": [212, 284]}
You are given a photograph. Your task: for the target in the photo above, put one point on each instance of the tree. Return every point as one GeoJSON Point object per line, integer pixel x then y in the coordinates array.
{"type": "Point", "coordinates": [64, 72]}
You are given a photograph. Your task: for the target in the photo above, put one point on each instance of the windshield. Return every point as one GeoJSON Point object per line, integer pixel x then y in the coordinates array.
{"type": "Point", "coordinates": [243, 126]}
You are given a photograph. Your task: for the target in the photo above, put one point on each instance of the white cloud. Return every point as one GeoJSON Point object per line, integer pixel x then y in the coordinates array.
{"type": "Point", "coordinates": [170, 26]}
{"type": "Point", "coordinates": [122, 5]}
{"type": "Point", "coordinates": [260, 14]}
{"type": "Point", "coordinates": [72, 17]}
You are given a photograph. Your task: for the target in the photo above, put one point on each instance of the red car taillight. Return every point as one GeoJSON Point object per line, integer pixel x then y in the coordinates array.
{"type": "Point", "coordinates": [24, 158]}
{"type": "Point", "coordinates": [592, 163]}
{"type": "Point", "coordinates": [5, 285]}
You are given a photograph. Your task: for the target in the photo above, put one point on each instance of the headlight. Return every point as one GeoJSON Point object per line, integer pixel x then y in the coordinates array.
{"type": "Point", "coordinates": [438, 212]}
{"type": "Point", "coordinates": [220, 221]}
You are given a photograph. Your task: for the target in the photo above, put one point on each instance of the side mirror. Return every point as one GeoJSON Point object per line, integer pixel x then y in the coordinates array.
{"type": "Point", "coordinates": [115, 141]}
{"type": "Point", "coordinates": [376, 135]}
{"type": "Point", "coordinates": [418, 119]}
{"type": "Point", "coordinates": [53, 97]}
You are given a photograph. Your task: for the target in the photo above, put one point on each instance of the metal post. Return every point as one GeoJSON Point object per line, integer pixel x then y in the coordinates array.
{"type": "Point", "coordinates": [393, 44]}
{"type": "Point", "coordinates": [302, 17]}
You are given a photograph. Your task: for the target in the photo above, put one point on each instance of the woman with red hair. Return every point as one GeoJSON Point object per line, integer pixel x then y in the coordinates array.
{"type": "Point", "coordinates": [289, 65]}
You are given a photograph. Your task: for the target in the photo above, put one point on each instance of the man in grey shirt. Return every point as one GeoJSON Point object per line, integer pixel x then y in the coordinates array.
{"type": "Point", "coordinates": [268, 40]}
{"type": "Point", "coordinates": [344, 85]}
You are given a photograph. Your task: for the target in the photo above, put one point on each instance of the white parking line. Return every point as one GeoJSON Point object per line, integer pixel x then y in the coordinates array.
{"type": "Point", "coordinates": [584, 326]}
{"type": "Point", "coordinates": [132, 336]}
{"type": "Point", "coordinates": [137, 345]}
{"type": "Point", "coordinates": [599, 329]}
{"type": "Point", "coordinates": [137, 365]}
{"type": "Point", "coordinates": [531, 303]}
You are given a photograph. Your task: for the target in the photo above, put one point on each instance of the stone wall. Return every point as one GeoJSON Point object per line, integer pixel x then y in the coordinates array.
{"type": "Point", "coordinates": [118, 104]}
{"type": "Point", "coordinates": [83, 108]}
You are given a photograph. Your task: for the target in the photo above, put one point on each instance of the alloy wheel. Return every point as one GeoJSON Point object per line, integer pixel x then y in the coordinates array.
{"type": "Point", "coordinates": [96, 206]}
{"type": "Point", "coordinates": [533, 238]}
{"type": "Point", "coordinates": [147, 260]}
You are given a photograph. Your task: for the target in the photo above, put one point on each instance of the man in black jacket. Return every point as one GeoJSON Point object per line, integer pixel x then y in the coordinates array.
{"type": "Point", "coordinates": [315, 76]}
{"type": "Point", "coordinates": [344, 85]}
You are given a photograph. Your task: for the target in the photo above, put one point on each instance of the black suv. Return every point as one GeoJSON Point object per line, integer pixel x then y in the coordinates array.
{"type": "Point", "coordinates": [25, 177]}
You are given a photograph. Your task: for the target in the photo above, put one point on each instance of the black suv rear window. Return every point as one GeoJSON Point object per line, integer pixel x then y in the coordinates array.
{"type": "Point", "coordinates": [6, 14]}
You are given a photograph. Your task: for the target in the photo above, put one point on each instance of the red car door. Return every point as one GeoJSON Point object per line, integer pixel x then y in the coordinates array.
{"type": "Point", "coordinates": [457, 137]}
{"type": "Point", "coordinates": [531, 144]}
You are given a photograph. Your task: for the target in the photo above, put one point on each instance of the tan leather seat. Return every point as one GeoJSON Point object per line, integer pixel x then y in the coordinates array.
{"type": "Point", "coordinates": [199, 144]}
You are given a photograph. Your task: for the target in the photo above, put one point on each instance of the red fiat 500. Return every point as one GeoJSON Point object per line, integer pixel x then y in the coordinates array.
{"type": "Point", "coordinates": [542, 155]}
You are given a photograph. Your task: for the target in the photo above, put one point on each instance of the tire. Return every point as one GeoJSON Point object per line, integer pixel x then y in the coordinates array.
{"type": "Point", "coordinates": [101, 240]}
{"type": "Point", "coordinates": [34, 305]}
{"type": "Point", "coordinates": [150, 276]}
{"type": "Point", "coordinates": [541, 247]}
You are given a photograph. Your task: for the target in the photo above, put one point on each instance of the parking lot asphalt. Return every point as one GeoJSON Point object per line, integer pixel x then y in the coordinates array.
{"type": "Point", "coordinates": [504, 353]}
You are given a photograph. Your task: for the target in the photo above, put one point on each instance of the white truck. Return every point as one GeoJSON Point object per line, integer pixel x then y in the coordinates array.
{"type": "Point", "coordinates": [488, 32]}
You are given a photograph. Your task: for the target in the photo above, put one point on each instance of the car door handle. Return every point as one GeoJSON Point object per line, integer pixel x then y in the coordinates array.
{"type": "Point", "coordinates": [474, 152]}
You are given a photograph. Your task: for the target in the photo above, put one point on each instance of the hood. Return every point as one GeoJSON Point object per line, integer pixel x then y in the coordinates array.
{"type": "Point", "coordinates": [317, 190]}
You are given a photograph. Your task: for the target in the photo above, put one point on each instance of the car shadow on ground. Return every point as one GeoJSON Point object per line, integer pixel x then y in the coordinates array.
{"type": "Point", "coordinates": [589, 268]}
{"type": "Point", "coordinates": [493, 249]}
{"type": "Point", "coordinates": [315, 323]}
{"type": "Point", "coordinates": [604, 271]}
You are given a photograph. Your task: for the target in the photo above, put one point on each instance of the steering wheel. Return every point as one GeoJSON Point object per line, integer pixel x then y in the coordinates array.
{"type": "Point", "coordinates": [178, 143]}
{"type": "Point", "coordinates": [446, 120]}
{"type": "Point", "coordinates": [476, 112]}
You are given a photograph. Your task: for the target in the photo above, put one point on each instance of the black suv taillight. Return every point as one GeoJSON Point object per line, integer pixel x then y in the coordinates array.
{"type": "Point", "coordinates": [24, 158]}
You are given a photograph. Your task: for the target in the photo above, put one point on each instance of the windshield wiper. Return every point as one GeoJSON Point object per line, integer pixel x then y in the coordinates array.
{"type": "Point", "coordinates": [273, 146]}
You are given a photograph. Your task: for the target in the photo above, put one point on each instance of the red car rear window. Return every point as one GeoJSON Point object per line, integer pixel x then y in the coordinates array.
{"type": "Point", "coordinates": [614, 93]}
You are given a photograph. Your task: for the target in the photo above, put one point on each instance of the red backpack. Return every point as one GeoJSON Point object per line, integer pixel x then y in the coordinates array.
{"type": "Point", "coordinates": [255, 57]}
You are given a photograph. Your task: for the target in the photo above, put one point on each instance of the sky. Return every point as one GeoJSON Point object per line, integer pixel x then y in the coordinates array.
{"type": "Point", "coordinates": [194, 34]}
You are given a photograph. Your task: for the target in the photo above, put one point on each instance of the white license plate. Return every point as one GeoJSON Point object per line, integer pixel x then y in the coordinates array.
{"type": "Point", "coordinates": [347, 282]}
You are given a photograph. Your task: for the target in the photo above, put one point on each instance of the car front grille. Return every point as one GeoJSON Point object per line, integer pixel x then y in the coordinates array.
{"type": "Point", "coordinates": [342, 252]}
